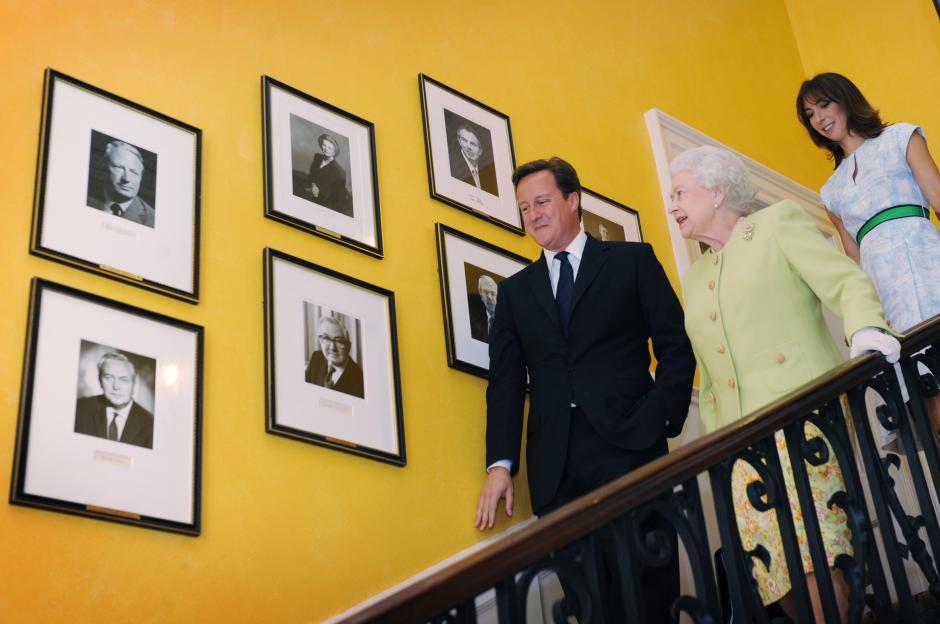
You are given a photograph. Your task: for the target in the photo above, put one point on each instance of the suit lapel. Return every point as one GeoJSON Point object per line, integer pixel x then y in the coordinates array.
{"type": "Point", "coordinates": [595, 255]}
{"type": "Point", "coordinates": [541, 286]}
{"type": "Point", "coordinates": [101, 420]}
{"type": "Point", "coordinates": [132, 427]}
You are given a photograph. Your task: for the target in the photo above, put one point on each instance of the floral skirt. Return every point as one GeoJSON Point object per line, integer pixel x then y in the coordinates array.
{"type": "Point", "coordinates": [758, 527]}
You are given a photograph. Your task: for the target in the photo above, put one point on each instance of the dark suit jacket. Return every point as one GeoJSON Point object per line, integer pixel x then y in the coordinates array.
{"type": "Point", "coordinates": [479, 324]}
{"type": "Point", "coordinates": [331, 182]}
{"type": "Point", "coordinates": [91, 419]}
{"type": "Point", "coordinates": [621, 300]}
{"type": "Point", "coordinates": [349, 382]}
{"type": "Point", "coordinates": [460, 170]}
{"type": "Point", "coordinates": [137, 211]}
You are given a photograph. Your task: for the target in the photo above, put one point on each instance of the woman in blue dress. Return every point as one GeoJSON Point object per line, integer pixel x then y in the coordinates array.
{"type": "Point", "coordinates": [878, 198]}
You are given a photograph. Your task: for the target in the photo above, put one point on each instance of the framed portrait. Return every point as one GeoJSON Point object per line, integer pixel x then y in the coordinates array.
{"type": "Point", "coordinates": [331, 359]}
{"type": "Point", "coordinates": [319, 168]}
{"type": "Point", "coordinates": [608, 220]}
{"type": "Point", "coordinates": [110, 412]}
{"type": "Point", "coordinates": [470, 155]}
{"type": "Point", "coordinates": [118, 189]}
{"type": "Point", "coordinates": [470, 270]}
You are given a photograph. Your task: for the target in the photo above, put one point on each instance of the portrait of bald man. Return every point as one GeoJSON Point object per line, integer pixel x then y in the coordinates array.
{"type": "Point", "coordinates": [113, 414]}
{"type": "Point", "coordinates": [331, 365]}
{"type": "Point", "coordinates": [124, 174]}
{"type": "Point", "coordinates": [482, 306]}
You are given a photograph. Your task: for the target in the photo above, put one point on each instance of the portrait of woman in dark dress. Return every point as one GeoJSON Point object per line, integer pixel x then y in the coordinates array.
{"type": "Point", "coordinates": [327, 179]}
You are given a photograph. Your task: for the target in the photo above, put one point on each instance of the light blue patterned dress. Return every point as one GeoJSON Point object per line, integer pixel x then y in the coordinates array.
{"type": "Point", "coordinates": [901, 255]}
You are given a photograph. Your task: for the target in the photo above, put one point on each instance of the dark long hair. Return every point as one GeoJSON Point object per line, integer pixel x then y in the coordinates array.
{"type": "Point", "coordinates": [862, 119]}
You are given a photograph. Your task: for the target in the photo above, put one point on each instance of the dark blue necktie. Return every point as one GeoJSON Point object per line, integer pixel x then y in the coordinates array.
{"type": "Point", "coordinates": [565, 289]}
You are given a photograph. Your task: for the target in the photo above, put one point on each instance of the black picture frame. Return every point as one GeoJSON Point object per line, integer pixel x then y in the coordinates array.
{"type": "Point", "coordinates": [346, 210]}
{"type": "Point", "coordinates": [149, 473]}
{"type": "Point", "coordinates": [315, 318]}
{"type": "Point", "coordinates": [99, 154]}
{"type": "Point", "coordinates": [449, 117]}
{"type": "Point", "coordinates": [607, 219]}
{"type": "Point", "coordinates": [465, 264]}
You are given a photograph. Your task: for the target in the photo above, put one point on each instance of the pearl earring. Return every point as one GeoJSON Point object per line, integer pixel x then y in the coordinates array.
{"type": "Point", "coordinates": [716, 206]}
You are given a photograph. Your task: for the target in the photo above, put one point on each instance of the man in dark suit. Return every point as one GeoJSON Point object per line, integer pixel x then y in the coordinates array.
{"type": "Point", "coordinates": [125, 170]}
{"type": "Point", "coordinates": [465, 163]}
{"type": "Point", "coordinates": [482, 307]}
{"type": "Point", "coordinates": [578, 320]}
{"type": "Point", "coordinates": [331, 366]}
{"type": "Point", "coordinates": [114, 415]}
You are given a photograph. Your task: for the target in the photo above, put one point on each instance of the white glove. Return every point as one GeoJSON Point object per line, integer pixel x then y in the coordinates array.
{"type": "Point", "coordinates": [873, 339]}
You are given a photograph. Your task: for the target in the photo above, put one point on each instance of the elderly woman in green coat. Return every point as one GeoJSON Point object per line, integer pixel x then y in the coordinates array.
{"type": "Point", "coordinates": [753, 314]}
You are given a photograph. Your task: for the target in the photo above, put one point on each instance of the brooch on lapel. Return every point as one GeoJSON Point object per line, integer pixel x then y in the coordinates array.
{"type": "Point", "coordinates": [747, 231]}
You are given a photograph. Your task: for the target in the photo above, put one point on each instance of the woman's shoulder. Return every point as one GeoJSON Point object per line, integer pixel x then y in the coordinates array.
{"type": "Point", "coordinates": [783, 209]}
{"type": "Point", "coordinates": [898, 134]}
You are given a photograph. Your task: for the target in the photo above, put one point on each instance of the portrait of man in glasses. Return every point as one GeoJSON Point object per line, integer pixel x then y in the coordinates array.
{"type": "Point", "coordinates": [331, 365]}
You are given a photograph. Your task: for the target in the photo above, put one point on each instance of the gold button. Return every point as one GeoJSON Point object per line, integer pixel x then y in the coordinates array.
{"type": "Point", "coordinates": [715, 260]}
{"type": "Point", "coordinates": [711, 284]}
{"type": "Point", "coordinates": [781, 358]}
{"type": "Point", "coordinates": [712, 315]}
{"type": "Point", "coordinates": [731, 382]}
{"type": "Point", "coordinates": [720, 348]}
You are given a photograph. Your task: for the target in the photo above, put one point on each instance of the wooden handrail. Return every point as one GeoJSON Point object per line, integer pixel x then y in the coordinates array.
{"type": "Point", "coordinates": [422, 599]}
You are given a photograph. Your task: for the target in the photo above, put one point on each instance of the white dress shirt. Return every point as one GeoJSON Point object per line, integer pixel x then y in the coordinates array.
{"type": "Point", "coordinates": [119, 416]}
{"type": "Point", "coordinates": [474, 171]}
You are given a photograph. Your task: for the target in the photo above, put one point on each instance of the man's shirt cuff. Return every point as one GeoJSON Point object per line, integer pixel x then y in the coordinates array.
{"type": "Point", "coordinates": [502, 463]}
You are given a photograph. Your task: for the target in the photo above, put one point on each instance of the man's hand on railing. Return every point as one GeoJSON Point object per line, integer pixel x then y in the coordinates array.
{"type": "Point", "coordinates": [498, 485]}
{"type": "Point", "coordinates": [873, 339]}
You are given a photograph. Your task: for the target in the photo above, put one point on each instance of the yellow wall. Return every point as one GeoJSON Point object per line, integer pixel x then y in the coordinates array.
{"type": "Point", "coordinates": [294, 532]}
{"type": "Point", "coordinates": [891, 50]}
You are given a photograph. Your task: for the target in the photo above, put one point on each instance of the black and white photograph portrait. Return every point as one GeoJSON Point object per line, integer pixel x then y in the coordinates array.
{"type": "Point", "coordinates": [470, 154]}
{"type": "Point", "coordinates": [115, 394]}
{"type": "Point", "coordinates": [110, 422]}
{"type": "Point", "coordinates": [118, 189]}
{"type": "Point", "coordinates": [320, 173]}
{"type": "Point", "coordinates": [122, 179]}
{"type": "Point", "coordinates": [319, 165]}
{"type": "Point", "coordinates": [333, 350]}
{"type": "Point", "coordinates": [481, 300]}
{"type": "Point", "coordinates": [331, 356]}
{"type": "Point", "coordinates": [609, 220]}
{"type": "Point", "coordinates": [471, 271]}
{"type": "Point", "coordinates": [602, 229]}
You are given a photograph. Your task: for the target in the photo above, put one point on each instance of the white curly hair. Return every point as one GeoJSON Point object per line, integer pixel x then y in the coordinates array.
{"type": "Point", "coordinates": [717, 168]}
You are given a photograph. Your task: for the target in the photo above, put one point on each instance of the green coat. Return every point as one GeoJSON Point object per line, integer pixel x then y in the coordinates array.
{"type": "Point", "coordinates": [753, 314]}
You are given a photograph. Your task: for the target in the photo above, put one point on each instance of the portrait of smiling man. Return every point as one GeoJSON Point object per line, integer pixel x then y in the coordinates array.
{"type": "Point", "coordinates": [113, 414]}
{"type": "Point", "coordinates": [471, 153]}
{"type": "Point", "coordinates": [119, 193]}
{"type": "Point", "coordinates": [331, 365]}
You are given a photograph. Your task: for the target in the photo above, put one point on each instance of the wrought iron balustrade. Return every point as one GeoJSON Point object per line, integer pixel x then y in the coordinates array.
{"type": "Point", "coordinates": [566, 541]}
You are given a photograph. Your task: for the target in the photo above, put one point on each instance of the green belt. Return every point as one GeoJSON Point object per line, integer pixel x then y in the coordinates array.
{"type": "Point", "coordinates": [890, 214]}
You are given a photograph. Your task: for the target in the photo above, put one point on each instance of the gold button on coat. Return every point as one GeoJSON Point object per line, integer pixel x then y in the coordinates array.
{"type": "Point", "coordinates": [712, 315]}
{"type": "Point", "coordinates": [731, 383]}
{"type": "Point", "coordinates": [781, 358]}
{"type": "Point", "coordinates": [720, 348]}
{"type": "Point", "coordinates": [711, 284]}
